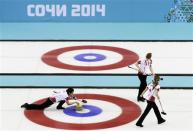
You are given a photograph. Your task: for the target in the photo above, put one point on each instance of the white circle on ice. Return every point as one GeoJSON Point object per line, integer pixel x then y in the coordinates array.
{"type": "Point", "coordinates": [109, 111]}
{"type": "Point", "coordinates": [90, 57]}
{"type": "Point", "coordinates": [111, 57]}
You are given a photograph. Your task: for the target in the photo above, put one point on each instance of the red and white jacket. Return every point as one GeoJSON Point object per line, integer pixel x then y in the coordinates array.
{"type": "Point", "coordinates": [145, 65]}
{"type": "Point", "coordinates": [151, 92]}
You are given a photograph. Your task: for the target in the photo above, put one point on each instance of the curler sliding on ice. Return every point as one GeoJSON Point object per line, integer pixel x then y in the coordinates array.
{"type": "Point", "coordinates": [58, 97]}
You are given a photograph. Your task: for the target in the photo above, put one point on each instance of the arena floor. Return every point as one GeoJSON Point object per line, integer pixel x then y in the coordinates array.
{"type": "Point", "coordinates": [110, 86]}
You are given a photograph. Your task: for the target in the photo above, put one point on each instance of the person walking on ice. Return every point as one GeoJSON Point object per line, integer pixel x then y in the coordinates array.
{"type": "Point", "coordinates": [152, 92]}
{"type": "Point", "coordinates": [143, 66]}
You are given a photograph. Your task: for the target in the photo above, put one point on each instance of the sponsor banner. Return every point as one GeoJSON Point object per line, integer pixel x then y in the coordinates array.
{"type": "Point", "coordinates": [87, 10]}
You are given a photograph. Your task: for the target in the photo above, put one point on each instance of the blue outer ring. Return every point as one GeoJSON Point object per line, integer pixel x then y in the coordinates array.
{"type": "Point", "coordinates": [71, 111]}
{"type": "Point", "coordinates": [81, 57]}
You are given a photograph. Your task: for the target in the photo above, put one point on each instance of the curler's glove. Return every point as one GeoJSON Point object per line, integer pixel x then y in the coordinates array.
{"type": "Point", "coordinates": [84, 101]}
{"type": "Point", "coordinates": [74, 97]}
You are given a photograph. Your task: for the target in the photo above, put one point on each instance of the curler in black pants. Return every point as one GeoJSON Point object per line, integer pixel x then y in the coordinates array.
{"type": "Point", "coordinates": [42, 106]}
{"type": "Point", "coordinates": [143, 84]}
{"type": "Point", "coordinates": [150, 104]}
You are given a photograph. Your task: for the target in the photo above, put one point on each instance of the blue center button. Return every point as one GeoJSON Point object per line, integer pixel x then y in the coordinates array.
{"type": "Point", "coordinates": [90, 57]}
{"type": "Point", "coordinates": [88, 110]}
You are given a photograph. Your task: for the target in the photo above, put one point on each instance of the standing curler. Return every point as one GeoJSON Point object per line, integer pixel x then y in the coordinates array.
{"type": "Point", "coordinates": [143, 66]}
{"type": "Point", "coordinates": [152, 92]}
